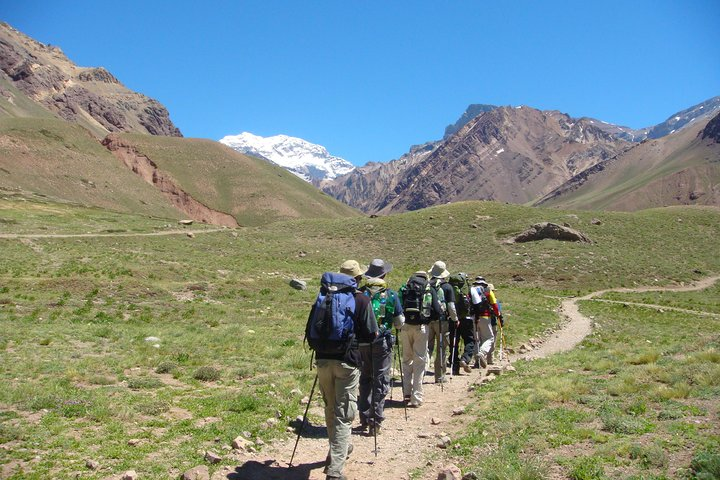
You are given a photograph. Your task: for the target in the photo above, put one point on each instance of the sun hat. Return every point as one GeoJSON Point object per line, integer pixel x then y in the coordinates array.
{"type": "Point", "coordinates": [378, 268]}
{"type": "Point", "coordinates": [352, 268]}
{"type": "Point", "coordinates": [420, 273]}
{"type": "Point", "coordinates": [438, 270]}
{"type": "Point", "coordinates": [479, 281]}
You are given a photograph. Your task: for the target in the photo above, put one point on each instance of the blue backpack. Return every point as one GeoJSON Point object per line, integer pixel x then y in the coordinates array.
{"type": "Point", "coordinates": [330, 328]}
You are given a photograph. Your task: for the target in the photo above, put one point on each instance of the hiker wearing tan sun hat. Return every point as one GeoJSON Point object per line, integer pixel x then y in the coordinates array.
{"type": "Point", "coordinates": [338, 365]}
{"type": "Point", "coordinates": [439, 328]}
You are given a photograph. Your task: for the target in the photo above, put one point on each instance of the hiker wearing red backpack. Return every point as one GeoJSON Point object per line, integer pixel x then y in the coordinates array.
{"type": "Point", "coordinates": [339, 321]}
{"type": "Point", "coordinates": [485, 307]}
{"type": "Point", "coordinates": [377, 356]}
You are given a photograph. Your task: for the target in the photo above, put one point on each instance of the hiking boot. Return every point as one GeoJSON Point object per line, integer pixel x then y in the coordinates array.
{"type": "Point", "coordinates": [375, 430]}
{"type": "Point", "coordinates": [416, 404]}
{"type": "Point", "coordinates": [465, 366]}
{"type": "Point", "coordinates": [360, 428]}
{"type": "Point", "coordinates": [341, 477]}
{"type": "Point", "coordinates": [483, 361]}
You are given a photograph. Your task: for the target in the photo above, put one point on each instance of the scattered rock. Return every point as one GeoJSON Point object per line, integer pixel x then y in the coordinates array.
{"type": "Point", "coordinates": [470, 476]}
{"type": "Point", "coordinates": [509, 368]}
{"type": "Point", "coordinates": [458, 411]}
{"type": "Point", "coordinates": [134, 442]}
{"type": "Point", "coordinates": [302, 254]}
{"type": "Point", "coordinates": [305, 400]}
{"type": "Point", "coordinates": [185, 222]}
{"type": "Point", "coordinates": [595, 221]}
{"type": "Point", "coordinates": [130, 475]}
{"type": "Point", "coordinates": [552, 231]}
{"type": "Point", "coordinates": [152, 339]}
{"type": "Point", "coordinates": [200, 472]}
{"type": "Point", "coordinates": [212, 457]}
{"type": "Point", "coordinates": [495, 369]}
{"type": "Point", "coordinates": [234, 234]}
{"type": "Point", "coordinates": [92, 464]}
{"type": "Point", "coordinates": [271, 422]}
{"type": "Point", "coordinates": [435, 421]}
{"type": "Point", "coordinates": [298, 284]}
{"type": "Point", "coordinates": [444, 442]}
{"type": "Point", "coordinates": [449, 472]}
{"type": "Point", "coordinates": [190, 234]}
{"type": "Point", "coordinates": [423, 435]}
{"type": "Point", "coordinates": [518, 278]}
{"type": "Point", "coordinates": [241, 443]}
{"type": "Point", "coordinates": [474, 225]}
{"type": "Point", "coordinates": [295, 391]}
{"type": "Point", "coordinates": [373, 216]}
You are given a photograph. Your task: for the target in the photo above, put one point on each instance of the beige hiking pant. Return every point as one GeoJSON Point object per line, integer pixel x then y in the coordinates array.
{"type": "Point", "coordinates": [338, 384]}
{"type": "Point", "coordinates": [413, 340]}
{"type": "Point", "coordinates": [439, 343]}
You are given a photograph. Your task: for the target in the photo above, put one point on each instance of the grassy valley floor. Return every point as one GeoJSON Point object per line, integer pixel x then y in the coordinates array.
{"type": "Point", "coordinates": [143, 352]}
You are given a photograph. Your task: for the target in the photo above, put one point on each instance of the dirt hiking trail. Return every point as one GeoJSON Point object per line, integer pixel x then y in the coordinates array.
{"type": "Point", "coordinates": [404, 446]}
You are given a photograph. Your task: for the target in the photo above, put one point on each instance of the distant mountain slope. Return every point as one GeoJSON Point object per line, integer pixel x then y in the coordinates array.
{"type": "Point", "coordinates": [62, 160]}
{"type": "Point", "coordinates": [506, 154]}
{"type": "Point", "coordinates": [248, 189]}
{"type": "Point", "coordinates": [92, 97]}
{"type": "Point", "coordinates": [307, 160]}
{"type": "Point", "coordinates": [678, 169]}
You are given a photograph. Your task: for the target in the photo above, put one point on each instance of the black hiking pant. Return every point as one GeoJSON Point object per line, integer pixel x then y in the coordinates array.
{"type": "Point", "coordinates": [464, 333]}
{"type": "Point", "coordinates": [375, 379]}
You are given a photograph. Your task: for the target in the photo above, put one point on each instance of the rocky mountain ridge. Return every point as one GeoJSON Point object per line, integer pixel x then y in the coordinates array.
{"type": "Point", "coordinates": [92, 97]}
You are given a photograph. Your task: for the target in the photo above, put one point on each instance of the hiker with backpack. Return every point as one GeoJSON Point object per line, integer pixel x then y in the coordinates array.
{"type": "Point", "coordinates": [463, 328]}
{"type": "Point", "coordinates": [339, 321]}
{"type": "Point", "coordinates": [417, 302]}
{"type": "Point", "coordinates": [377, 356]}
{"type": "Point", "coordinates": [439, 331]}
{"type": "Point", "coordinates": [496, 319]}
{"type": "Point", "coordinates": [484, 308]}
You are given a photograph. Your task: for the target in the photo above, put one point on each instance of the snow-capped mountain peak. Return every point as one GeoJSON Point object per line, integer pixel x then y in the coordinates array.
{"type": "Point", "coordinates": [306, 160]}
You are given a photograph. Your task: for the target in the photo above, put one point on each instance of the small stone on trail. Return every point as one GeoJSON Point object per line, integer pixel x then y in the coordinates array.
{"type": "Point", "coordinates": [200, 472]}
{"type": "Point", "coordinates": [185, 222]}
{"type": "Point", "coordinates": [92, 464]}
{"type": "Point", "coordinates": [449, 472]}
{"type": "Point", "coordinates": [133, 442]}
{"type": "Point", "coordinates": [458, 411]}
{"type": "Point", "coordinates": [435, 421]}
{"type": "Point", "coordinates": [212, 457]}
{"type": "Point", "coordinates": [509, 368]}
{"type": "Point", "coordinates": [595, 221]}
{"type": "Point", "coordinates": [190, 234]}
{"type": "Point", "coordinates": [495, 369]}
{"type": "Point", "coordinates": [444, 442]}
{"type": "Point", "coordinates": [152, 339]}
{"type": "Point", "coordinates": [423, 435]}
{"type": "Point", "coordinates": [302, 254]}
{"type": "Point", "coordinates": [305, 400]}
{"type": "Point", "coordinates": [470, 476]}
{"type": "Point", "coordinates": [130, 475]}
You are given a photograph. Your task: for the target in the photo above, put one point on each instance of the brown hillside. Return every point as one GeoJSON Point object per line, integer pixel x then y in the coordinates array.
{"type": "Point", "coordinates": [682, 168]}
{"type": "Point", "coordinates": [92, 97]}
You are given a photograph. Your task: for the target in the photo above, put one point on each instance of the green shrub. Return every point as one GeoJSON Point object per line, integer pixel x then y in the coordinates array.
{"type": "Point", "coordinates": [142, 383]}
{"type": "Point", "coordinates": [166, 367]}
{"type": "Point", "coordinates": [587, 468]}
{"type": "Point", "coordinates": [207, 374]}
{"type": "Point", "coordinates": [705, 466]}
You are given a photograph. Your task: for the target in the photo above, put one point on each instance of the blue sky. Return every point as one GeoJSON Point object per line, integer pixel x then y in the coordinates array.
{"type": "Point", "coordinates": [369, 79]}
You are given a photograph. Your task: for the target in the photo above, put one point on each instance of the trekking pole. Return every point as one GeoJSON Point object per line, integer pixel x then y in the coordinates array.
{"type": "Point", "coordinates": [372, 395]}
{"type": "Point", "coordinates": [454, 353]}
{"type": "Point", "coordinates": [402, 379]}
{"type": "Point", "coordinates": [442, 356]}
{"type": "Point", "coordinates": [302, 426]}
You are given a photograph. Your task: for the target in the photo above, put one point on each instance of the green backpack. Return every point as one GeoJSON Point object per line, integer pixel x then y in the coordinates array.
{"type": "Point", "coordinates": [382, 301]}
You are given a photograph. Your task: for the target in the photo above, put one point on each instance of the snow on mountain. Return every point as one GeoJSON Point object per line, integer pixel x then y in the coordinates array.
{"type": "Point", "coordinates": [306, 160]}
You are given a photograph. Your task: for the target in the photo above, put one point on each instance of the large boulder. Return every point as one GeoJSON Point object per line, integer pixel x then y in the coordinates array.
{"type": "Point", "coordinates": [553, 231]}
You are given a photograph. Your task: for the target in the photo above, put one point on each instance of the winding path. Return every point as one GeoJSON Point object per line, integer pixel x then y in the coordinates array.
{"type": "Point", "coordinates": [404, 444]}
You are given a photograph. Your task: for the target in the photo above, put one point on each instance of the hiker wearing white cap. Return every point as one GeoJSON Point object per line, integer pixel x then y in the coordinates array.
{"type": "Point", "coordinates": [377, 356]}
{"type": "Point", "coordinates": [439, 329]}
{"type": "Point", "coordinates": [484, 308]}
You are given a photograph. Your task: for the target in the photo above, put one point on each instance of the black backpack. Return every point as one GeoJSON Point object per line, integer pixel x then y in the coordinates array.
{"type": "Point", "coordinates": [459, 283]}
{"type": "Point", "coordinates": [420, 300]}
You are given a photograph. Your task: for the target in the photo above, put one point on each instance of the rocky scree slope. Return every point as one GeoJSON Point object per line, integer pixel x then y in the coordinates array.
{"type": "Point", "coordinates": [508, 154]}
{"type": "Point", "coordinates": [92, 97]}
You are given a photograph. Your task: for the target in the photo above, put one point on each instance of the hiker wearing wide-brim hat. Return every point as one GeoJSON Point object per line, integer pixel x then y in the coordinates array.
{"type": "Point", "coordinates": [338, 374]}
{"type": "Point", "coordinates": [378, 269]}
{"type": "Point", "coordinates": [377, 356]}
{"type": "Point", "coordinates": [485, 309]}
{"type": "Point", "coordinates": [439, 329]}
